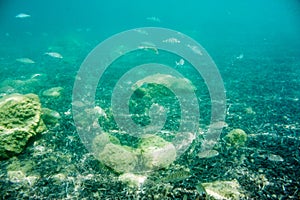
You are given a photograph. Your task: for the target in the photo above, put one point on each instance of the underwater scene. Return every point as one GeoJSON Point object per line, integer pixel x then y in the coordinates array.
{"type": "Point", "coordinates": [166, 100]}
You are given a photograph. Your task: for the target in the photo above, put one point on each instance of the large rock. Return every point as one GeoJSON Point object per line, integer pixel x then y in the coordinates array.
{"type": "Point", "coordinates": [156, 152]}
{"type": "Point", "coordinates": [101, 140]}
{"type": "Point", "coordinates": [152, 153]}
{"type": "Point", "coordinates": [20, 119]}
{"type": "Point", "coordinates": [111, 153]}
{"type": "Point", "coordinates": [120, 158]}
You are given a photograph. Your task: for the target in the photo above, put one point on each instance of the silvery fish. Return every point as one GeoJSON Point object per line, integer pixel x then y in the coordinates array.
{"type": "Point", "coordinates": [180, 62]}
{"type": "Point", "coordinates": [154, 19]}
{"type": "Point", "coordinates": [25, 60]}
{"type": "Point", "coordinates": [22, 15]}
{"type": "Point", "coordinates": [171, 40]}
{"type": "Point", "coordinates": [195, 49]}
{"type": "Point", "coordinates": [208, 154]}
{"type": "Point", "coordinates": [54, 54]}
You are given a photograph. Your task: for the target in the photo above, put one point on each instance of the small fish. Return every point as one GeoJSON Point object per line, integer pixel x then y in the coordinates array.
{"type": "Point", "coordinates": [208, 154]}
{"type": "Point", "coordinates": [35, 76]}
{"type": "Point", "coordinates": [25, 60]}
{"type": "Point", "coordinates": [54, 54]}
{"type": "Point", "coordinates": [148, 46]}
{"type": "Point", "coordinates": [180, 62]}
{"type": "Point", "coordinates": [271, 157]}
{"type": "Point", "coordinates": [68, 112]}
{"type": "Point", "coordinates": [153, 19]}
{"type": "Point", "coordinates": [195, 49]}
{"type": "Point", "coordinates": [171, 40]}
{"type": "Point", "coordinates": [22, 15]}
{"type": "Point", "coordinates": [177, 176]}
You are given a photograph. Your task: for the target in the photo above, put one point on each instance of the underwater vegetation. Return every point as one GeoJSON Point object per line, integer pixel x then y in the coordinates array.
{"type": "Point", "coordinates": [42, 156]}
{"type": "Point", "coordinates": [55, 163]}
{"type": "Point", "coordinates": [236, 138]}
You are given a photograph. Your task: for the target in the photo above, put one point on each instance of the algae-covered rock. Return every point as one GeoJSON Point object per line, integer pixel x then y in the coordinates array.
{"type": "Point", "coordinates": [53, 92]}
{"type": "Point", "coordinates": [103, 139]}
{"type": "Point", "coordinates": [153, 152]}
{"type": "Point", "coordinates": [132, 180]}
{"type": "Point", "coordinates": [236, 138]}
{"type": "Point", "coordinates": [119, 158]}
{"type": "Point", "coordinates": [31, 84]}
{"type": "Point", "coordinates": [181, 84]}
{"type": "Point", "coordinates": [223, 190]}
{"type": "Point", "coordinates": [59, 178]}
{"type": "Point", "coordinates": [50, 117]}
{"type": "Point", "coordinates": [112, 154]}
{"type": "Point", "coordinates": [156, 152]}
{"type": "Point", "coordinates": [20, 119]}
{"type": "Point", "coordinates": [21, 172]}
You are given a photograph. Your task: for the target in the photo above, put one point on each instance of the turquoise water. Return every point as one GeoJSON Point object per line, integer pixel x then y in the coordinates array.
{"type": "Point", "coordinates": [255, 45]}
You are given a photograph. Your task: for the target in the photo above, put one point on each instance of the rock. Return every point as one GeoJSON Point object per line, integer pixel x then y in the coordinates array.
{"type": "Point", "coordinates": [16, 176]}
{"type": "Point", "coordinates": [20, 177]}
{"type": "Point", "coordinates": [103, 139]}
{"type": "Point", "coordinates": [152, 152]}
{"type": "Point", "coordinates": [156, 152]}
{"type": "Point", "coordinates": [31, 84]}
{"type": "Point", "coordinates": [119, 158]}
{"type": "Point", "coordinates": [53, 92]}
{"type": "Point", "coordinates": [59, 178]}
{"type": "Point", "coordinates": [181, 84]}
{"type": "Point", "coordinates": [21, 172]}
{"type": "Point", "coordinates": [223, 190]}
{"type": "Point", "coordinates": [50, 117]}
{"type": "Point", "coordinates": [132, 180]}
{"type": "Point", "coordinates": [236, 138]}
{"type": "Point", "coordinates": [20, 119]}
{"type": "Point", "coordinates": [111, 153]}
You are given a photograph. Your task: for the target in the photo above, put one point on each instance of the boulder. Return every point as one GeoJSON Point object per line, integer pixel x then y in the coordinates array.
{"type": "Point", "coordinates": [101, 140]}
{"type": "Point", "coordinates": [20, 119]}
{"type": "Point", "coordinates": [119, 158]}
{"type": "Point", "coordinates": [152, 152]}
{"type": "Point", "coordinates": [156, 152]}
